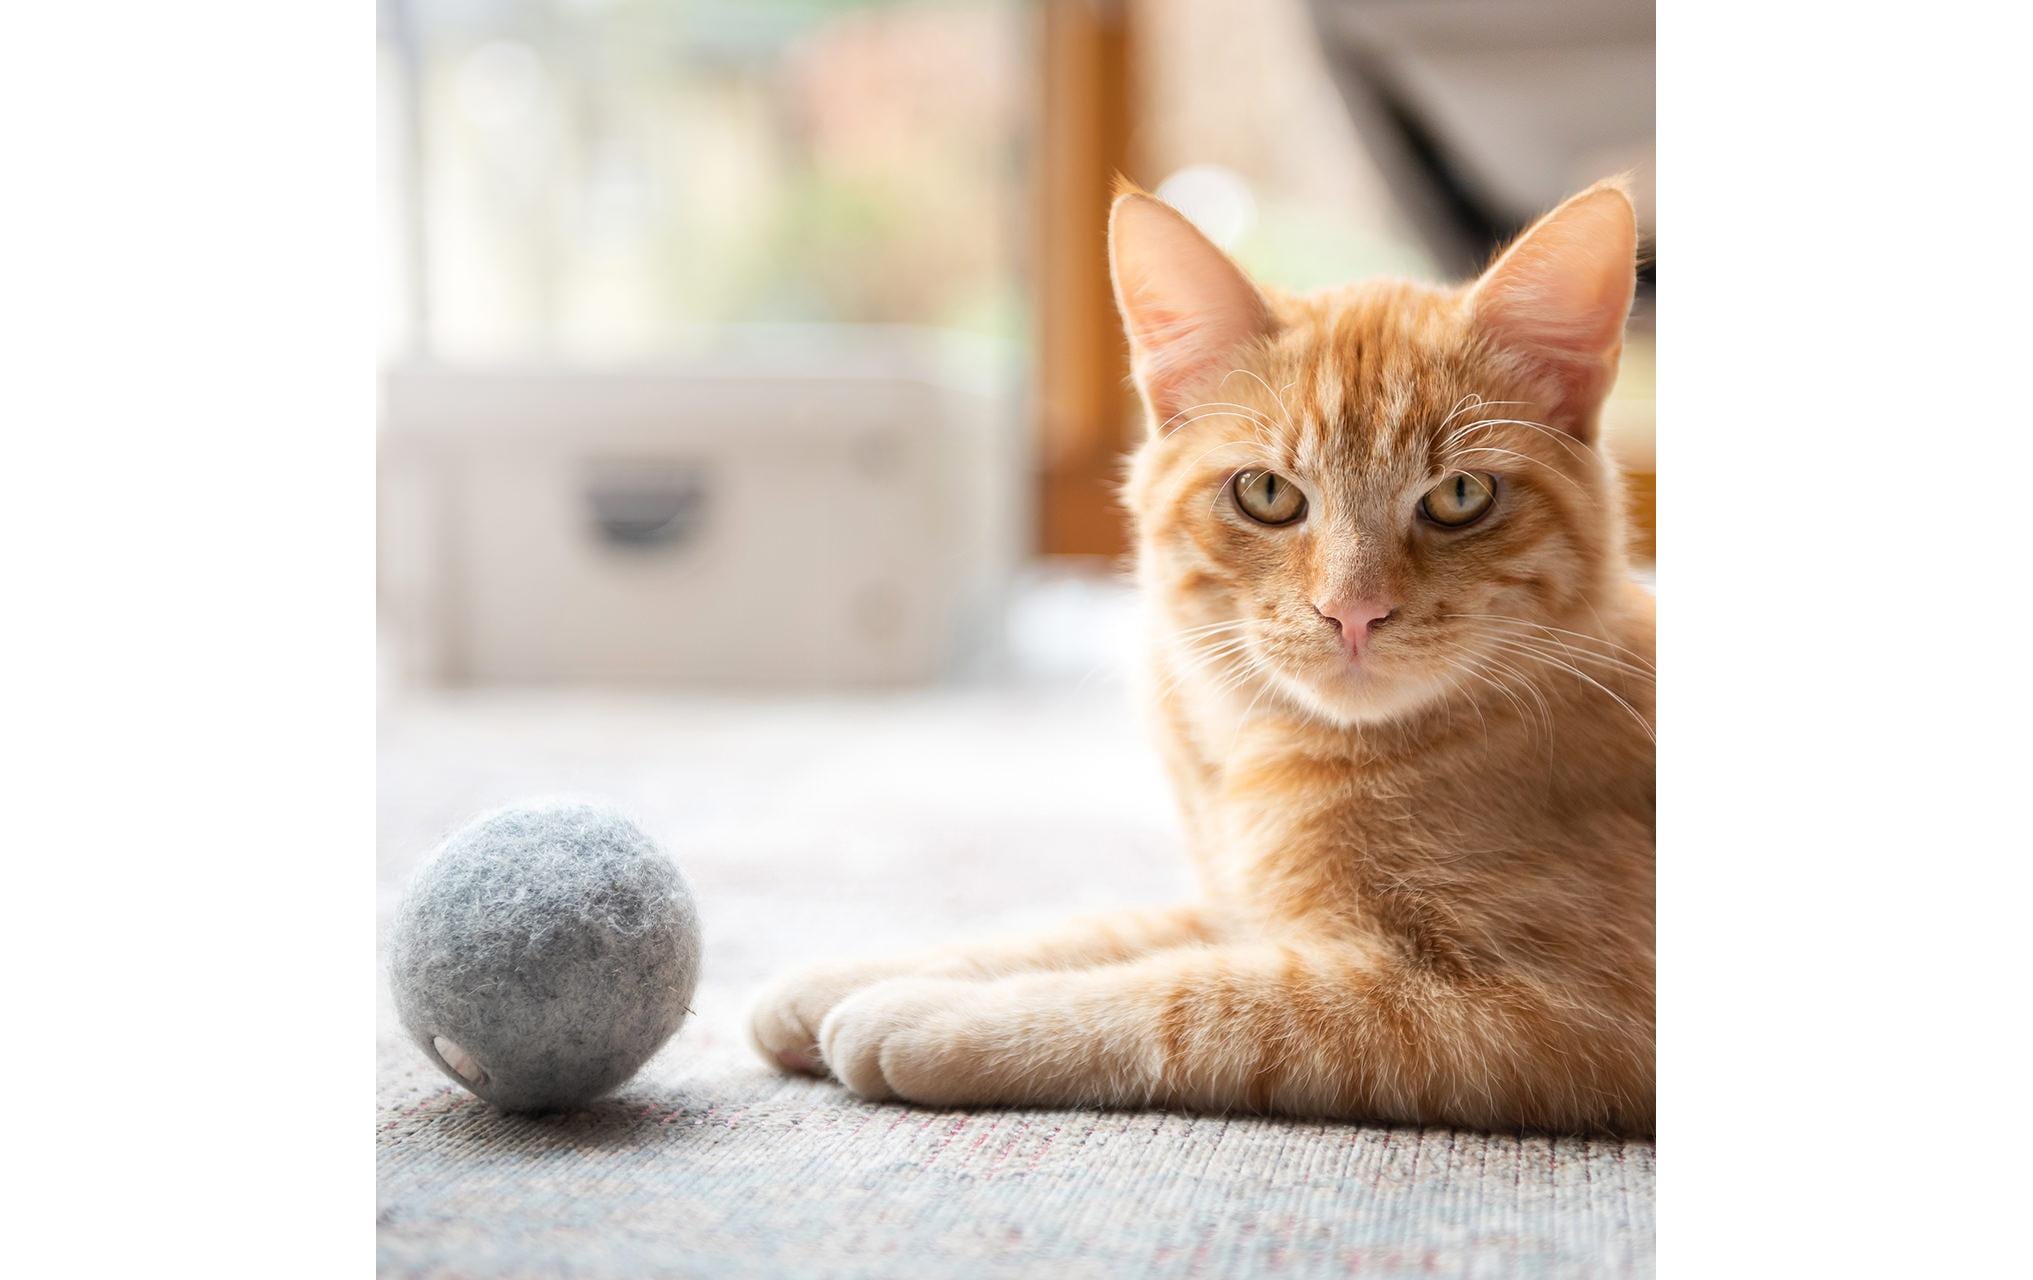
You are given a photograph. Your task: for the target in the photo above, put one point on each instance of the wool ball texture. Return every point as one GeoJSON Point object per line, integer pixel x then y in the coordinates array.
{"type": "Point", "coordinates": [543, 953]}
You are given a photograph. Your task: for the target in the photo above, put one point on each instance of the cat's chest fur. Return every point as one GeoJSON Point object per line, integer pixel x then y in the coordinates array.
{"type": "Point", "coordinates": [1470, 840]}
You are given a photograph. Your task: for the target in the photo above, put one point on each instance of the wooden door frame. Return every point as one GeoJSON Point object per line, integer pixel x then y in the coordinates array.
{"type": "Point", "coordinates": [1086, 411]}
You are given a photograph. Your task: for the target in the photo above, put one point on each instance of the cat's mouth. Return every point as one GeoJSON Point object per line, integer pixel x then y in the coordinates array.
{"type": "Point", "coordinates": [1367, 685]}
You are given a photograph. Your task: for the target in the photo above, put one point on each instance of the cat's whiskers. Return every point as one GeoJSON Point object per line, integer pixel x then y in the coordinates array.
{"type": "Point", "coordinates": [1226, 675]}
{"type": "Point", "coordinates": [1259, 427]}
{"type": "Point", "coordinates": [1530, 626]}
{"type": "Point", "coordinates": [1213, 645]}
{"type": "Point", "coordinates": [1253, 668]}
{"type": "Point", "coordinates": [1208, 626]}
{"type": "Point", "coordinates": [1523, 651]}
{"type": "Point", "coordinates": [1475, 671]}
{"type": "Point", "coordinates": [1551, 470]}
{"type": "Point", "coordinates": [1492, 663]}
{"type": "Point", "coordinates": [1262, 451]}
{"type": "Point", "coordinates": [1243, 721]}
{"type": "Point", "coordinates": [1231, 444]}
{"type": "Point", "coordinates": [1284, 409]}
{"type": "Point", "coordinates": [1198, 659]}
{"type": "Point", "coordinates": [1557, 436]}
{"type": "Point", "coordinates": [1220, 647]}
{"type": "Point", "coordinates": [1455, 688]}
{"type": "Point", "coordinates": [1470, 401]}
{"type": "Point", "coordinates": [1214, 409]}
{"type": "Point", "coordinates": [1230, 407]}
{"type": "Point", "coordinates": [1517, 637]}
{"type": "Point", "coordinates": [1601, 660]}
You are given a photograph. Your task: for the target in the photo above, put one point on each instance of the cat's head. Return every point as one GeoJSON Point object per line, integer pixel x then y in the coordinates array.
{"type": "Point", "coordinates": [1371, 495]}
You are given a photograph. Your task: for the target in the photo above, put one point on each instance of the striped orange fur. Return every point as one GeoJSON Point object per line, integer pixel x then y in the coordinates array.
{"type": "Point", "coordinates": [1428, 866]}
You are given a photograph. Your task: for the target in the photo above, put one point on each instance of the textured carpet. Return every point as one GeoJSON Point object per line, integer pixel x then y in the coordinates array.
{"type": "Point", "coordinates": [816, 828]}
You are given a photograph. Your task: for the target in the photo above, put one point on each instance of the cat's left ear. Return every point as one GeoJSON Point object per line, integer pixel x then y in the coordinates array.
{"type": "Point", "coordinates": [1559, 296]}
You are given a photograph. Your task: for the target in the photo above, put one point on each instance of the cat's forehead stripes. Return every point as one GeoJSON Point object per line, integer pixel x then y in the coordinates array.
{"type": "Point", "coordinates": [1368, 391]}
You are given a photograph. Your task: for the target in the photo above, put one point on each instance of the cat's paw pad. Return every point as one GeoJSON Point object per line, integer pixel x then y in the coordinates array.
{"type": "Point", "coordinates": [784, 1025]}
{"type": "Point", "coordinates": [900, 1039]}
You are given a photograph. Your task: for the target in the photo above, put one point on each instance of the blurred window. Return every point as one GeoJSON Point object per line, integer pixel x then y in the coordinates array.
{"type": "Point", "coordinates": [1239, 124]}
{"type": "Point", "coordinates": [595, 179]}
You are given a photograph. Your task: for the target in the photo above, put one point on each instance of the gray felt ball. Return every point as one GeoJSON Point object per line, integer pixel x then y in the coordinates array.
{"type": "Point", "coordinates": [543, 953]}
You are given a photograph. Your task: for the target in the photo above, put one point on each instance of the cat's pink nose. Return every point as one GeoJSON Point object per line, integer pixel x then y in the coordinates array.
{"type": "Point", "coordinates": [1356, 620]}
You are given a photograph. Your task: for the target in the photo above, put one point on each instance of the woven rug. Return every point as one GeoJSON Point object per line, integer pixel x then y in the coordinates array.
{"type": "Point", "coordinates": [828, 827]}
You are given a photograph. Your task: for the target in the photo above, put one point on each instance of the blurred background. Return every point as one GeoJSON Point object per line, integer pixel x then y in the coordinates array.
{"type": "Point", "coordinates": [767, 345]}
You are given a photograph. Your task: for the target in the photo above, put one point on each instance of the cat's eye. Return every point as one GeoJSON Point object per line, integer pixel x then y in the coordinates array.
{"type": "Point", "coordinates": [1268, 498]}
{"type": "Point", "coordinates": [1460, 500]}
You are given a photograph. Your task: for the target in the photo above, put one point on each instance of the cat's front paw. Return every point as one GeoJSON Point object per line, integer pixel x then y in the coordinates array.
{"type": "Point", "coordinates": [906, 1038]}
{"type": "Point", "coordinates": [785, 1022]}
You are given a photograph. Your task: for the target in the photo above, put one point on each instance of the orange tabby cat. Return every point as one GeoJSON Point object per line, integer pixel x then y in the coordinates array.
{"type": "Point", "coordinates": [1403, 682]}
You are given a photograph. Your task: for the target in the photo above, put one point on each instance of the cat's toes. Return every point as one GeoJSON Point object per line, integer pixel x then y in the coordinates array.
{"type": "Point", "coordinates": [899, 1039]}
{"type": "Point", "coordinates": [780, 1032]}
{"type": "Point", "coordinates": [785, 1022]}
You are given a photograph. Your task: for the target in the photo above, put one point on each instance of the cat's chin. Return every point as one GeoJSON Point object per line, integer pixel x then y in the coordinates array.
{"type": "Point", "coordinates": [1352, 696]}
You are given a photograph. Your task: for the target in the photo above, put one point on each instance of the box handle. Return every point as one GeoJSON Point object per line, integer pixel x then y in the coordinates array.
{"type": "Point", "coordinates": [645, 509]}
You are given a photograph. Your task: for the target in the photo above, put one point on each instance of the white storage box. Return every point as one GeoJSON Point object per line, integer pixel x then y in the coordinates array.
{"type": "Point", "coordinates": [842, 513]}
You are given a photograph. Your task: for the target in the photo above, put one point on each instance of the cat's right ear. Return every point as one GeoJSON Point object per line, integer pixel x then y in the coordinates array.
{"type": "Point", "coordinates": [1185, 306]}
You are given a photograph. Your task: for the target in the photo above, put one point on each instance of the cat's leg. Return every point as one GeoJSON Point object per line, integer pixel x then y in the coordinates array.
{"type": "Point", "coordinates": [785, 1022]}
{"type": "Point", "coordinates": [1309, 1030]}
